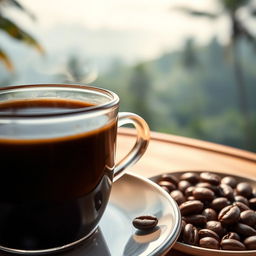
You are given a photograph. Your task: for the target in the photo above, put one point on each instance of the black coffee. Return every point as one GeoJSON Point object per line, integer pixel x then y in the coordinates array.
{"type": "Point", "coordinates": [53, 190]}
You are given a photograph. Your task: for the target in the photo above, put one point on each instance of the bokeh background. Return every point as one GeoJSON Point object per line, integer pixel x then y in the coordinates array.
{"type": "Point", "coordinates": [187, 66]}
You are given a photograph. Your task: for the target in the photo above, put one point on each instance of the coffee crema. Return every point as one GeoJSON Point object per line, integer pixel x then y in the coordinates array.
{"type": "Point", "coordinates": [42, 178]}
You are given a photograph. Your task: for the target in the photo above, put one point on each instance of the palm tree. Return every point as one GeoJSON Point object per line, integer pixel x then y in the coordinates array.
{"type": "Point", "coordinates": [14, 31]}
{"type": "Point", "coordinates": [239, 30]}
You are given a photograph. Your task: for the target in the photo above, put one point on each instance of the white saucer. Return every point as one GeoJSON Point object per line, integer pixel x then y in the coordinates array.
{"type": "Point", "coordinates": [133, 196]}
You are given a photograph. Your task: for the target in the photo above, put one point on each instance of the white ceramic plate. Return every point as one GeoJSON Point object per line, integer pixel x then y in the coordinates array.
{"type": "Point", "coordinates": [133, 196]}
{"type": "Point", "coordinates": [198, 251]}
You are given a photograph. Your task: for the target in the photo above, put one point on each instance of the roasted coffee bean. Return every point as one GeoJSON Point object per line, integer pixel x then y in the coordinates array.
{"type": "Point", "coordinates": [183, 224]}
{"type": "Point", "coordinates": [241, 206]}
{"type": "Point", "coordinates": [216, 226]}
{"type": "Point", "coordinates": [252, 203]}
{"type": "Point", "coordinates": [189, 191]}
{"type": "Point", "coordinates": [183, 185]}
{"type": "Point", "coordinates": [250, 242]}
{"type": "Point", "coordinates": [167, 184]}
{"type": "Point", "coordinates": [190, 234]}
{"type": "Point", "coordinates": [196, 219]}
{"type": "Point", "coordinates": [241, 199]}
{"type": "Point", "coordinates": [145, 222]}
{"type": "Point", "coordinates": [229, 215]}
{"type": "Point", "coordinates": [191, 207]}
{"type": "Point", "coordinates": [226, 191]}
{"type": "Point", "coordinates": [229, 180]}
{"type": "Point", "coordinates": [191, 198]}
{"type": "Point", "coordinates": [190, 177]}
{"type": "Point", "coordinates": [209, 242]}
{"type": "Point", "coordinates": [210, 177]}
{"type": "Point", "coordinates": [178, 196]}
{"type": "Point", "coordinates": [248, 217]}
{"type": "Point", "coordinates": [210, 214]}
{"type": "Point", "coordinates": [244, 230]}
{"type": "Point", "coordinates": [208, 233]}
{"type": "Point", "coordinates": [219, 203]}
{"type": "Point", "coordinates": [231, 235]}
{"type": "Point", "coordinates": [214, 188]}
{"type": "Point", "coordinates": [244, 189]}
{"type": "Point", "coordinates": [232, 244]}
{"type": "Point", "coordinates": [169, 177]}
{"type": "Point", "coordinates": [203, 194]}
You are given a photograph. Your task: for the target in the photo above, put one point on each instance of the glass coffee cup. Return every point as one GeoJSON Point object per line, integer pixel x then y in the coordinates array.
{"type": "Point", "coordinates": [57, 153]}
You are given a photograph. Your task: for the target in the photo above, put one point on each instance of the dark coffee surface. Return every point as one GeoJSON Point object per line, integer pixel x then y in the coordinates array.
{"type": "Point", "coordinates": [48, 177]}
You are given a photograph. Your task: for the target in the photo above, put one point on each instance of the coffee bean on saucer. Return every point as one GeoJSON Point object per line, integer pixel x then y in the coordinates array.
{"type": "Point", "coordinates": [229, 215]}
{"type": "Point", "coordinates": [232, 244]}
{"type": "Point", "coordinates": [145, 222]}
{"type": "Point", "coordinates": [212, 178]}
{"type": "Point", "coordinates": [210, 214]}
{"type": "Point", "coordinates": [208, 233]}
{"type": "Point", "coordinates": [252, 203]}
{"type": "Point", "coordinates": [169, 186]}
{"type": "Point", "coordinates": [178, 196]}
{"type": "Point", "coordinates": [241, 206]}
{"type": "Point", "coordinates": [231, 235]}
{"type": "Point", "coordinates": [248, 217]}
{"type": "Point", "coordinates": [190, 234]}
{"type": "Point", "coordinates": [241, 199]}
{"type": "Point", "coordinates": [190, 177]}
{"type": "Point", "coordinates": [203, 194]}
{"type": "Point", "coordinates": [189, 191]}
{"type": "Point", "coordinates": [250, 242]}
{"type": "Point", "coordinates": [244, 189]}
{"type": "Point", "coordinates": [229, 180]}
{"type": "Point", "coordinates": [208, 185]}
{"type": "Point", "coordinates": [219, 203]}
{"type": "Point", "coordinates": [209, 242]}
{"type": "Point", "coordinates": [226, 191]}
{"type": "Point", "coordinates": [191, 207]}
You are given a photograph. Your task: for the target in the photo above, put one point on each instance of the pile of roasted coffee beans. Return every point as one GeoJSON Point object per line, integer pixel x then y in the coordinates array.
{"type": "Point", "coordinates": [217, 213]}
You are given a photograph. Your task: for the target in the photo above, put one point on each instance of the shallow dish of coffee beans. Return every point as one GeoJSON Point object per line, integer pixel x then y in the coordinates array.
{"type": "Point", "coordinates": [218, 211]}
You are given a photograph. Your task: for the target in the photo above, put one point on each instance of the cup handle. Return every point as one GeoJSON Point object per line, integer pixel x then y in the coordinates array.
{"type": "Point", "coordinates": [139, 148]}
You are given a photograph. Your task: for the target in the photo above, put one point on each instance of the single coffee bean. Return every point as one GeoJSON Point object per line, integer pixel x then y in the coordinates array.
{"type": "Point", "coordinates": [250, 242]}
{"type": "Point", "coordinates": [203, 194]}
{"type": "Point", "coordinates": [219, 203]}
{"type": "Point", "coordinates": [216, 226]}
{"type": "Point", "coordinates": [244, 189]}
{"type": "Point", "coordinates": [214, 188]}
{"type": "Point", "coordinates": [241, 199]}
{"type": "Point", "coordinates": [208, 233]}
{"type": "Point", "coordinates": [229, 215]}
{"type": "Point", "coordinates": [167, 184]}
{"type": "Point", "coordinates": [210, 177]}
{"type": "Point", "coordinates": [145, 222]}
{"type": "Point", "coordinates": [226, 191]}
{"type": "Point", "coordinates": [191, 198]}
{"type": "Point", "coordinates": [210, 214]}
{"type": "Point", "coordinates": [229, 180]}
{"type": "Point", "coordinates": [252, 203]}
{"type": "Point", "coordinates": [232, 244]}
{"type": "Point", "coordinates": [169, 177]}
{"type": "Point", "coordinates": [189, 191]}
{"type": "Point", "coordinates": [248, 217]}
{"type": "Point", "coordinates": [190, 234]}
{"type": "Point", "coordinates": [241, 206]}
{"type": "Point", "coordinates": [183, 185]}
{"type": "Point", "coordinates": [244, 230]}
{"type": "Point", "coordinates": [178, 196]}
{"type": "Point", "coordinates": [196, 219]}
{"type": "Point", "coordinates": [231, 235]}
{"type": "Point", "coordinates": [183, 224]}
{"type": "Point", "coordinates": [191, 207]}
{"type": "Point", "coordinates": [190, 177]}
{"type": "Point", "coordinates": [209, 242]}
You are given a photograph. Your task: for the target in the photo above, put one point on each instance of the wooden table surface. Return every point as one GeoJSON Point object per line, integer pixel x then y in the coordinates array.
{"type": "Point", "coordinates": [167, 153]}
